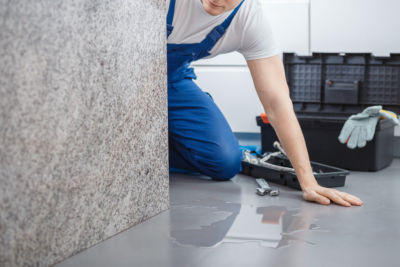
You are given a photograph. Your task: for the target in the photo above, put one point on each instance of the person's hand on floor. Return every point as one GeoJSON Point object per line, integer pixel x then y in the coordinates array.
{"type": "Point", "coordinates": [324, 196]}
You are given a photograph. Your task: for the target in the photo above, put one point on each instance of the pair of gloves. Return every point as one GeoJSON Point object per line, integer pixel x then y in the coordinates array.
{"type": "Point", "coordinates": [360, 128]}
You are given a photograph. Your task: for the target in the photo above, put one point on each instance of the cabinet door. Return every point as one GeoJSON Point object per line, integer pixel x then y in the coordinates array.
{"type": "Point", "coordinates": [355, 26]}
{"type": "Point", "coordinates": [233, 91]}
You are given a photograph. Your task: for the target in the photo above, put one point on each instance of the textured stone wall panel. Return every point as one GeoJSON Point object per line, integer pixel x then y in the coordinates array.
{"type": "Point", "coordinates": [83, 124]}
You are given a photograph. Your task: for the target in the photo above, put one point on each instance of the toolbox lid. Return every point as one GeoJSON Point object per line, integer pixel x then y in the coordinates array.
{"type": "Point", "coordinates": [335, 86]}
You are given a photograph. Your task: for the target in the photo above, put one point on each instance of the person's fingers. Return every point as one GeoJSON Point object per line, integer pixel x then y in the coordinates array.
{"type": "Point", "coordinates": [335, 197]}
{"type": "Point", "coordinates": [315, 197]}
{"type": "Point", "coordinates": [324, 196]}
{"type": "Point", "coordinates": [353, 200]}
{"type": "Point", "coordinates": [339, 200]}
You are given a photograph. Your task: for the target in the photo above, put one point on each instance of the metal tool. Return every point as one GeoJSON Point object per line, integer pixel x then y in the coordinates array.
{"type": "Point", "coordinates": [247, 156]}
{"type": "Point", "coordinates": [274, 192]}
{"type": "Point", "coordinates": [265, 189]}
{"type": "Point", "coordinates": [263, 183]}
{"type": "Point", "coordinates": [261, 192]}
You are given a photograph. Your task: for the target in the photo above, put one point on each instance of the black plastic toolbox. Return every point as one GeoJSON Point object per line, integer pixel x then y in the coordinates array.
{"type": "Point", "coordinates": [328, 88]}
{"type": "Point", "coordinates": [321, 136]}
{"type": "Point", "coordinates": [325, 175]}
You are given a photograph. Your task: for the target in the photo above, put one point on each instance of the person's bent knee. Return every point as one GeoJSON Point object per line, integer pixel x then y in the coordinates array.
{"type": "Point", "coordinates": [224, 177]}
{"type": "Point", "coordinates": [229, 166]}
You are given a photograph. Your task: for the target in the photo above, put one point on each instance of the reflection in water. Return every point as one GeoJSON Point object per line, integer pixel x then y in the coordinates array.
{"type": "Point", "coordinates": [224, 222]}
{"type": "Point", "coordinates": [202, 226]}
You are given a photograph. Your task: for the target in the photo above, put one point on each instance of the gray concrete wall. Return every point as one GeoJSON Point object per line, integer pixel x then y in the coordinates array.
{"type": "Point", "coordinates": [83, 124]}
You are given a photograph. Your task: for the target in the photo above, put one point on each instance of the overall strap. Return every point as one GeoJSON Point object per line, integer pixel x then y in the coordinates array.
{"type": "Point", "coordinates": [213, 37]}
{"type": "Point", "coordinates": [170, 16]}
{"type": "Point", "coordinates": [229, 19]}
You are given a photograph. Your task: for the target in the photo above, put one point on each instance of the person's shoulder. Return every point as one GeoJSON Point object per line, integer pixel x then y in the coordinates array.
{"type": "Point", "coordinates": [252, 6]}
{"type": "Point", "coordinates": [257, 36]}
{"type": "Point", "coordinates": [253, 3]}
{"type": "Point", "coordinates": [252, 10]}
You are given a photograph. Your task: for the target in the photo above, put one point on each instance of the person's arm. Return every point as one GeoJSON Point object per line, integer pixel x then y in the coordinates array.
{"type": "Point", "coordinates": [272, 89]}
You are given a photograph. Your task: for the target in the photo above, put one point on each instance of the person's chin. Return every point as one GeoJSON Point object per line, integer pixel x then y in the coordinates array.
{"type": "Point", "coordinates": [212, 11]}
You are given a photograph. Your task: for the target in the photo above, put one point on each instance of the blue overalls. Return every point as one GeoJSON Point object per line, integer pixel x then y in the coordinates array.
{"type": "Point", "coordinates": [200, 138]}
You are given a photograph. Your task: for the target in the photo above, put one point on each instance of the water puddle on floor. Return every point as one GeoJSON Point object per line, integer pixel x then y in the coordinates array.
{"type": "Point", "coordinates": [223, 222]}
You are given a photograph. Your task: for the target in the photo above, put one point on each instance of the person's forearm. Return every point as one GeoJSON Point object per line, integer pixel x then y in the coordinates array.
{"type": "Point", "coordinates": [270, 82]}
{"type": "Point", "coordinates": [287, 128]}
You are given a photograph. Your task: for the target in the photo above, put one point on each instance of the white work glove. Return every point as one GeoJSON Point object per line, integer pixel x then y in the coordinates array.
{"type": "Point", "coordinates": [360, 128]}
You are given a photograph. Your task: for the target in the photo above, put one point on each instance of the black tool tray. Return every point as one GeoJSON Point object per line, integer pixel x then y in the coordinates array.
{"type": "Point", "coordinates": [326, 175]}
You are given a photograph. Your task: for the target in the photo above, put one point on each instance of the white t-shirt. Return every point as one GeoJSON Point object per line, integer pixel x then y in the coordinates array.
{"type": "Point", "coordinates": [249, 33]}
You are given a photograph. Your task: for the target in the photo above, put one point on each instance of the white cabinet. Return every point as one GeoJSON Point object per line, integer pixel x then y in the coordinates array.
{"type": "Point", "coordinates": [355, 26]}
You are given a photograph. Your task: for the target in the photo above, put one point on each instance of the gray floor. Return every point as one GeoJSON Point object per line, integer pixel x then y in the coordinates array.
{"type": "Point", "coordinates": [225, 223]}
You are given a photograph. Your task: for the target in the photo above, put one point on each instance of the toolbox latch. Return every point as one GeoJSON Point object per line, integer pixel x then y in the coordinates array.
{"type": "Point", "coordinates": [341, 92]}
